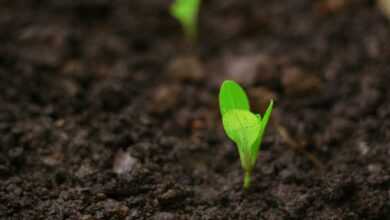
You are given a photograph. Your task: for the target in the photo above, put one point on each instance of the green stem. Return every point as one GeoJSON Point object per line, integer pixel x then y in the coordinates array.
{"type": "Point", "coordinates": [191, 34]}
{"type": "Point", "coordinates": [247, 180]}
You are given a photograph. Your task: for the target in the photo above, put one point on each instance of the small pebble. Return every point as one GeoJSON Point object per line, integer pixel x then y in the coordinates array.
{"type": "Point", "coordinates": [363, 148]}
{"type": "Point", "coordinates": [123, 162]}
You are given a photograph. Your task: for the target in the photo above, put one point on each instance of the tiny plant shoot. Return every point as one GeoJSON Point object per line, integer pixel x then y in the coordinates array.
{"type": "Point", "coordinates": [186, 12]}
{"type": "Point", "coordinates": [243, 127]}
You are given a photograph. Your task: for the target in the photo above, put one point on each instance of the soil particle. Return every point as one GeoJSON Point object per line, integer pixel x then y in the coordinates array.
{"type": "Point", "coordinates": [363, 148]}
{"type": "Point", "coordinates": [172, 197]}
{"type": "Point", "coordinates": [115, 208]}
{"type": "Point", "coordinates": [44, 45]}
{"type": "Point", "coordinates": [69, 87]}
{"type": "Point", "coordinates": [374, 168]}
{"type": "Point", "coordinates": [337, 130]}
{"type": "Point", "coordinates": [73, 68]}
{"type": "Point", "coordinates": [123, 162]}
{"type": "Point", "coordinates": [165, 98]}
{"type": "Point", "coordinates": [243, 68]}
{"type": "Point", "coordinates": [164, 216]}
{"type": "Point", "coordinates": [87, 217]}
{"type": "Point", "coordinates": [186, 68]}
{"type": "Point", "coordinates": [338, 190]}
{"type": "Point", "coordinates": [333, 6]}
{"type": "Point", "coordinates": [110, 96]}
{"type": "Point", "coordinates": [296, 82]}
{"type": "Point", "coordinates": [53, 159]}
{"type": "Point", "coordinates": [84, 170]}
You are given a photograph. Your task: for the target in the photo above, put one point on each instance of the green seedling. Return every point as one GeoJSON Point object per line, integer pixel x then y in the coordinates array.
{"type": "Point", "coordinates": [243, 127]}
{"type": "Point", "coordinates": [186, 11]}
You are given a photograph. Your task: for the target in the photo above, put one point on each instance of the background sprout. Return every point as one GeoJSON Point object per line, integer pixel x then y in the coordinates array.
{"type": "Point", "coordinates": [186, 12]}
{"type": "Point", "coordinates": [384, 5]}
{"type": "Point", "coordinates": [243, 127]}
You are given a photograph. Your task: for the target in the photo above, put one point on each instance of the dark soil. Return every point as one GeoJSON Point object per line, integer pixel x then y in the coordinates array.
{"type": "Point", "coordinates": [105, 112]}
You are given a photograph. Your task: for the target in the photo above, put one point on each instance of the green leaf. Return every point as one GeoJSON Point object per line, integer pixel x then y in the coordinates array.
{"type": "Point", "coordinates": [263, 124]}
{"type": "Point", "coordinates": [266, 116]}
{"type": "Point", "coordinates": [232, 96]}
{"type": "Point", "coordinates": [242, 127]}
{"type": "Point", "coordinates": [186, 11]}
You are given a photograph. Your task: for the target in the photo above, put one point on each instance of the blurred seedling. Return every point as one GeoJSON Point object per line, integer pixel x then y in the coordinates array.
{"type": "Point", "coordinates": [384, 5]}
{"type": "Point", "coordinates": [186, 12]}
{"type": "Point", "coordinates": [243, 127]}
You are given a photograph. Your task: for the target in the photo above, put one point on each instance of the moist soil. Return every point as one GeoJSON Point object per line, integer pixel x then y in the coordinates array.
{"type": "Point", "coordinates": [107, 112]}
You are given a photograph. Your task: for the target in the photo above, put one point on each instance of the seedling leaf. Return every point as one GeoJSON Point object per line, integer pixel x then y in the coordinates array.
{"type": "Point", "coordinates": [243, 127]}
{"type": "Point", "coordinates": [186, 12]}
{"type": "Point", "coordinates": [263, 126]}
{"type": "Point", "coordinates": [232, 96]}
